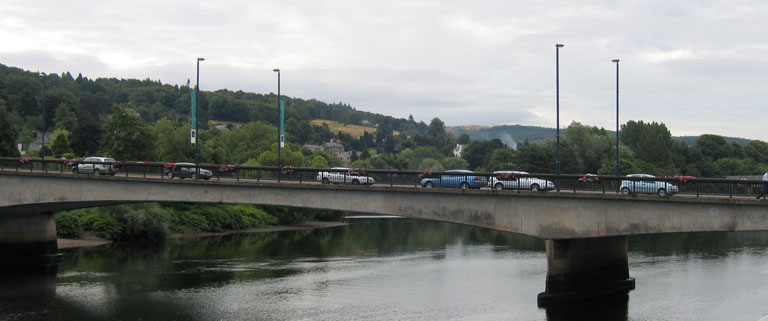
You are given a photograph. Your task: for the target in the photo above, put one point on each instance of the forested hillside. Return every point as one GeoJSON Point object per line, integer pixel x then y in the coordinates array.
{"type": "Point", "coordinates": [130, 119]}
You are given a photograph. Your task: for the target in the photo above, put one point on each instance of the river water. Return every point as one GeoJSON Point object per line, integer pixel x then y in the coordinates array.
{"type": "Point", "coordinates": [386, 269]}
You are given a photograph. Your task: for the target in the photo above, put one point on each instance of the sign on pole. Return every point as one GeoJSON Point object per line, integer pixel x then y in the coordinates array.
{"type": "Point", "coordinates": [192, 135]}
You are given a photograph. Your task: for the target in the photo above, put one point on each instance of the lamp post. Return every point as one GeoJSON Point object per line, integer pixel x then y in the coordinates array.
{"type": "Point", "coordinates": [557, 89]}
{"type": "Point", "coordinates": [616, 61]}
{"type": "Point", "coordinates": [278, 124]}
{"type": "Point", "coordinates": [197, 97]}
{"type": "Point", "coordinates": [42, 148]}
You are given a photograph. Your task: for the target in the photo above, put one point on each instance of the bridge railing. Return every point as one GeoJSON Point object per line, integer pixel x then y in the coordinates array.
{"type": "Point", "coordinates": [508, 181]}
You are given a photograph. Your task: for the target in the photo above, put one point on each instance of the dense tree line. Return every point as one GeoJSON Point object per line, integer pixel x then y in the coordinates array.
{"type": "Point", "coordinates": [130, 119]}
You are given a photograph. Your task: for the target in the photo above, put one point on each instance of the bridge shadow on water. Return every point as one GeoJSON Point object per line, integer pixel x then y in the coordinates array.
{"type": "Point", "coordinates": [613, 307]}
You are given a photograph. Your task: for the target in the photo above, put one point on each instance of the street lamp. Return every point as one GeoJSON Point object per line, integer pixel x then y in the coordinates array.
{"type": "Point", "coordinates": [42, 148]}
{"type": "Point", "coordinates": [197, 97]}
{"type": "Point", "coordinates": [278, 124]}
{"type": "Point", "coordinates": [616, 61]}
{"type": "Point", "coordinates": [557, 88]}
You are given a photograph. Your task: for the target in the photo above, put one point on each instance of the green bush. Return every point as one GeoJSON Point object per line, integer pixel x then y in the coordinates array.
{"type": "Point", "coordinates": [146, 223]}
{"type": "Point", "coordinates": [68, 225]}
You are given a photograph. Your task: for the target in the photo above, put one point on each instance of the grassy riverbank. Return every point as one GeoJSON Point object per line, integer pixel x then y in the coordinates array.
{"type": "Point", "coordinates": [154, 222]}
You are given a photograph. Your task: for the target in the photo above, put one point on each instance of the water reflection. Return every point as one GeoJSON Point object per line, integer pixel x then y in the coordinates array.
{"type": "Point", "coordinates": [385, 269]}
{"type": "Point", "coordinates": [612, 307]}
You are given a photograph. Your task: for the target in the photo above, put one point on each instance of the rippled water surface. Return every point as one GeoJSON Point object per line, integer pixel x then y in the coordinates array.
{"type": "Point", "coordinates": [386, 269]}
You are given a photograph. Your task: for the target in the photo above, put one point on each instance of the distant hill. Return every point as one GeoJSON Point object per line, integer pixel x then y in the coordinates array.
{"type": "Point", "coordinates": [508, 134]}
{"type": "Point", "coordinates": [691, 140]}
{"type": "Point", "coordinates": [513, 134]}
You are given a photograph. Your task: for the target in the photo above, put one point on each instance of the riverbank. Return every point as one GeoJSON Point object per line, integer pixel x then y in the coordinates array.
{"type": "Point", "coordinates": [87, 241]}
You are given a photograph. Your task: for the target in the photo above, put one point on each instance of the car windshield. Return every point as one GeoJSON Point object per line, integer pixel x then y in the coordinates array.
{"type": "Point", "coordinates": [109, 160]}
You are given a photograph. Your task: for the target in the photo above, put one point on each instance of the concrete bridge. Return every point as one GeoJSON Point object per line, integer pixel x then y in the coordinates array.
{"type": "Point", "coordinates": [586, 233]}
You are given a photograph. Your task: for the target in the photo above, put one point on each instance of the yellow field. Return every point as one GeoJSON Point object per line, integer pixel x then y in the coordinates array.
{"type": "Point", "coordinates": [353, 130]}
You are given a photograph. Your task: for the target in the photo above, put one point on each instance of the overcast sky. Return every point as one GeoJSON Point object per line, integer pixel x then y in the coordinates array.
{"type": "Point", "coordinates": [698, 66]}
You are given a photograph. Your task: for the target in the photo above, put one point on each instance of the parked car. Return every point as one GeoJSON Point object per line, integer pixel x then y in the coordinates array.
{"type": "Point", "coordinates": [344, 175]}
{"type": "Point", "coordinates": [455, 178]}
{"type": "Point", "coordinates": [661, 188]}
{"type": "Point", "coordinates": [187, 170]}
{"type": "Point", "coordinates": [105, 168]}
{"type": "Point", "coordinates": [512, 180]}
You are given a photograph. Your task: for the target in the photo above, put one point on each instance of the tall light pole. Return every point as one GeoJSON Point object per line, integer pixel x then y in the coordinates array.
{"type": "Point", "coordinates": [42, 148]}
{"type": "Point", "coordinates": [279, 125]}
{"type": "Point", "coordinates": [197, 146]}
{"type": "Point", "coordinates": [616, 61]}
{"type": "Point", "coordinates": [557, 89]}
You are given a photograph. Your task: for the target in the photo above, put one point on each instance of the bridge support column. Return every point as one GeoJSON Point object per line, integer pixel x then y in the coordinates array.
{"type": "Point", "coordinates": [28, 241]}
{"type": "Point", "coordinates": [579, 269]}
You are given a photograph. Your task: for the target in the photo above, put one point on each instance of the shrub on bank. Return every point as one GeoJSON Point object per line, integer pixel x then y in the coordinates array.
{"type": "Point", "coordinates": [68, 225]}
{"type": "Point", "coordinates": [152, 222]}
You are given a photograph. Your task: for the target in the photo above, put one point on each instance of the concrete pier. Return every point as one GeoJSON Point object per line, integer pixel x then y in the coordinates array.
{"type": "Point", "coordinates": [579, 269]}
{"type": "Point", "coordinates": [28, 241]}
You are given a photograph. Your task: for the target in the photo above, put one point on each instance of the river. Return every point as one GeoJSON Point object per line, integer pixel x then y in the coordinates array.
{"type": "Point", "coordinates": [386, 269]}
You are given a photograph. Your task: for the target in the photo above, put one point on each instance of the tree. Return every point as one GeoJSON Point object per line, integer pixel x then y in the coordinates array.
{"type": "Point", "coordinates": [319, 162]}
{"type": "Point", "coordinates": [713, 146]}
{"type": "Point", "coordinates": [478, 153]}
{"type": "Point", "coordinates": [421, 153]}
{"type": "Point", "coordinates": [463, 139]}
{"type": "Point", "coordinates": [436, 133]}
{"type": "Point", "coordinates": [288, 157]}
{"type": "Point", "coordinates": [431, 164]}
{"type": "Point", "coordinates": [502, 159]}
{"type": "Point", "coordinates": [126, 137]}
{"type": "Point", "coordinates": [173, 143]}
{"type": "Point", "coordinates": [455, 163]}
{"type": "Point", "coordinates": [757, 150]}
{"type": "Point", "coordinates": [7, 134]}
{"type": "Point", "coordinates": [60, 143]}
{"type": "Point", "coordinates": [86, 138]}
{"type": "Point", "coordinates": [651, 142]}
{"type": "Point", "coordinates": [65, 118]}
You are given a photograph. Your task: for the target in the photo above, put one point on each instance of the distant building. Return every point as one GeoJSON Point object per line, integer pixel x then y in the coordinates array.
{"type": "Point", "coordinates": [344, 158]}
{"type": "Point", "coordinates": [458, 150]}
{"type": "Point", "coordinates": [333, 147]}
{"type": "Point", "coordinates": [37, 143]}
{"type": "Point", "coordinates": [312, 147]}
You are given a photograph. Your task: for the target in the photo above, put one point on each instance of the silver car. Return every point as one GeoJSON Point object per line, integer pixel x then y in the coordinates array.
{"type": "Point", "coordinates": [647, 186]}
{"type": "Point", "coordinates": [96, 169]}
{"type": "Point", "coordinates": [344, 175]}
{"type": "Point", "coordinates": [511, 180]}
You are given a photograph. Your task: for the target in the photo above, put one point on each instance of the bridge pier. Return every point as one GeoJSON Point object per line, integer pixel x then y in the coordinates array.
{"type": "Point", "coordinates": [28, 242]}
{"type": "Point", "coordinates": [579, 269]}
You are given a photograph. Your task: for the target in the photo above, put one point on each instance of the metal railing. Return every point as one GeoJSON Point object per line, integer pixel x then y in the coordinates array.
{"type": "Point", "coordinates": [499, 182]}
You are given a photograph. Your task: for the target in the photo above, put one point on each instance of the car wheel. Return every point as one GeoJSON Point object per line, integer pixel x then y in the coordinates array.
{"type": "Point", "coordinates": [429, 185]}
{"type": "Point", "coordinates": [355, 182]}
{"type": "Point", "coordinates": [326, 180]}
{"type": "Point", "coordinates": [96, 172]}
{"type": "Point", "coordinates": [169, 175]}
{"type": "Point", "coordinates": [625, 190]}
{"type": "Point", "coordinates": [464, 185]}
{"type": "Point", "coordinates": [662, 192]}
{"type": "Point", "coordinates": [535, 187]}
{"type": "Point", "coordinates": [498, 186]}
{"type": "Point", "coordinates": [75, 170]}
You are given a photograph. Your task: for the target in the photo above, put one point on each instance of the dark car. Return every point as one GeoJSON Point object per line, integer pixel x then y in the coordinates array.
{"type": "Point", "coordinates": [186, 170]}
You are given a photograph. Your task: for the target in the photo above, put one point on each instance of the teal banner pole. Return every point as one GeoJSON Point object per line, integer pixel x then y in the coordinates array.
{"type": "Point", "coordinates": [194, 111]}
